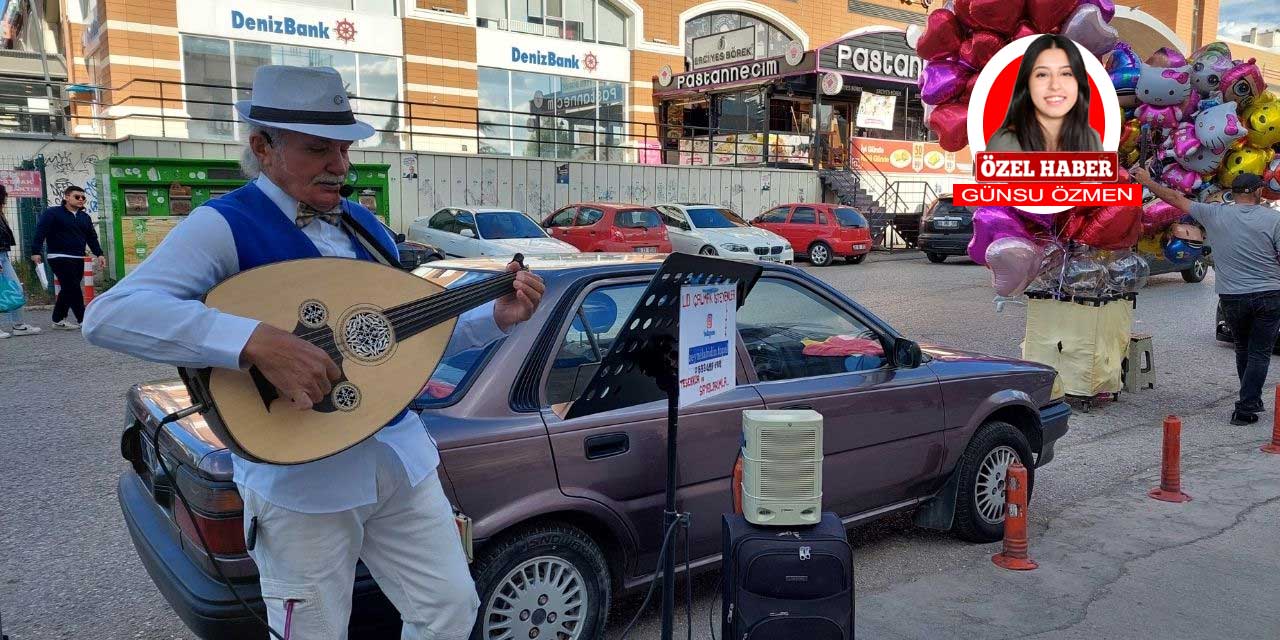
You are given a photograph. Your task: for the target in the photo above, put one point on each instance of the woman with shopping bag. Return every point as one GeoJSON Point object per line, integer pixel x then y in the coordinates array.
{"type": "Point", "coordinates": [11, 297]}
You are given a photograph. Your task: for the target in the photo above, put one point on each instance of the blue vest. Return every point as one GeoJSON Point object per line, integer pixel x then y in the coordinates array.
{"type": "Point", "coordinates": [263, 234]}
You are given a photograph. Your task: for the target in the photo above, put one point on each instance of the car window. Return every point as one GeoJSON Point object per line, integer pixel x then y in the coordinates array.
{"type": "Point", "coordinates": [714, 218]}
{"type": "Point", "coordinates": [637, 219]}
{"type": "Point", "coordinates": [464, 220]}
{"type": "Point", "coordinates": [442, 220]}
{"type": "Point", "coordinates": [674, 217]}
{"type": "Point", "coordinates": [563, 218]}
{"type": "Point", "coordinates": [774, 215]}
{"type": "Point", "coordinates": [596, 323]}
{"type": "Point", "coordinates": [791, 332]}
{"type": "Point", "coordinates": [505, 225]}
{"type": "Point", "coordinates": [588, 216]}
{"type": "Point", "coordinates": [804, 215]}
{"type": "Point", "coordinates": [822, 218]}
{"type": "Point", "coordinates": [454, 373]}
{"type": "Point", "coordinates": [847, 217]}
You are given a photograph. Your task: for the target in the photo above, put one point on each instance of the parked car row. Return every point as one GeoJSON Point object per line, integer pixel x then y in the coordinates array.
{"type": "Point", "coordinates": [821, 232]}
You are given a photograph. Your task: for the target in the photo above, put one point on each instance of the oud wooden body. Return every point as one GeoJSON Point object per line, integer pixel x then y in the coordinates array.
{"type": "Point", "coordinates": [382, 380]}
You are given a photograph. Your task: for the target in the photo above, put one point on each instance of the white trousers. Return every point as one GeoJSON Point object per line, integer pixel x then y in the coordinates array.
{"type": "Point", "coordinates": [408, 540]}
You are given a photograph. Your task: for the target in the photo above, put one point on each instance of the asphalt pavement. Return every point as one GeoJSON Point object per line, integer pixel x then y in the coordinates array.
{"type": "Point", "coordinates": [1113, 562]}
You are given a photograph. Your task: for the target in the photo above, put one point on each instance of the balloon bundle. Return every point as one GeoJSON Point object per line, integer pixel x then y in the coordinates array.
{"type": "Point", "coordinates": [1205, 120]}
{"type": "Point", "coordinates": [961, 37]}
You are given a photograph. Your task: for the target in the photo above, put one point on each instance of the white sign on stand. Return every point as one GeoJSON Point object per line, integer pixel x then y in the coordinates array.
{"type": "Point", "coordinates": [708, 320]}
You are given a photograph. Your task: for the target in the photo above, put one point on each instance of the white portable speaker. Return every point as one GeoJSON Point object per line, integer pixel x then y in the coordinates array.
{"type": "Point", "coordinates": [782, 467]}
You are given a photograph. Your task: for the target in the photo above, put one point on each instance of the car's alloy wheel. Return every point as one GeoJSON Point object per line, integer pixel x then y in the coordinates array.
{"type": "Point", "coordinates": [707, 251]}
{"type": "Point", "coordinates": [819, 254]}
{"type": "Point", "coordinates": [989, 488]}
{"type": "Point", "coordinates": [542, 597]}
{"type": "Point", "coordinates": [982, 479]}
{"type": "Point", "coordinates": [546, 582]}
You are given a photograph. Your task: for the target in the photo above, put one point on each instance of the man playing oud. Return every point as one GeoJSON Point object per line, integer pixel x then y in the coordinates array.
{"type": "Point", "coordinates": [379, 501]}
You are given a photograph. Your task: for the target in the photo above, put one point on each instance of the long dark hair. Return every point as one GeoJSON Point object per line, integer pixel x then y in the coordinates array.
{"type": "Point", "coordinates": [1076, 134]}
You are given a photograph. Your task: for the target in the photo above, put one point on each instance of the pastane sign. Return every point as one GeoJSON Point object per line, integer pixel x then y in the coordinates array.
{"type": "Point", "coordinates": [883, 54]}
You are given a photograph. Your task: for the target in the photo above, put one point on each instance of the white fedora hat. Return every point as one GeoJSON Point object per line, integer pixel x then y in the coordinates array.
{"type": "Point", "coordinates": [306, 99]}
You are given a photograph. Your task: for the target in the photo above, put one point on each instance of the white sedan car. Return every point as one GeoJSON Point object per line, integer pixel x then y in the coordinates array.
{"type": "Point", "coordinates": [712, 230]}
{"type": "Point", "coordinates": [473, 233]}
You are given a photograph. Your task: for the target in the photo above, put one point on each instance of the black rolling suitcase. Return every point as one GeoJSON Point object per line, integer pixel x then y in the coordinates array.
{"type": "Point", "coordinates": [785, 583]}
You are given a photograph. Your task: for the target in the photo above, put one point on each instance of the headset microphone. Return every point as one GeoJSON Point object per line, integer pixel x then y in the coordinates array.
{"type": "Point", "coordinates": [346, 190]}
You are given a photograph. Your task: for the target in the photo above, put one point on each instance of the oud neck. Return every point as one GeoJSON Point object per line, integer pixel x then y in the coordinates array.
{"type": "Point", "coordinates": [412, 318]}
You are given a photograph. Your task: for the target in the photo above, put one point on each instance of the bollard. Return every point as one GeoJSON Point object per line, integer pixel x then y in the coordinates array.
{"type": "Point", "coordinates": [1170, 489]}
{"type": "Point", "coordinates": [87, 284]}
{"type": "Point", "coordinates": [1274, 445]}
{"type": "Point", "coordinates": [1014, 556]}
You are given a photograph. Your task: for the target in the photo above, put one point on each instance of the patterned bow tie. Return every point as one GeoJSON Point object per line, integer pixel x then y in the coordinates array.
{"type": "Point", "coordinates": [307, 213]}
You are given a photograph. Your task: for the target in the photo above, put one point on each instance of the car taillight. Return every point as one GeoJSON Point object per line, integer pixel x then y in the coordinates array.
{"type": "Point", "coordinates": [225, 536]}
{"type": "Point", "coordinates": [218, 512]}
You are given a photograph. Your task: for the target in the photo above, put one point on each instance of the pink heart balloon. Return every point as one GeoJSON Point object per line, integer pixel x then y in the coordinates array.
{"type": "Point", "coordinates": [1086, 26]}
{"type": "Point", "coordinates": [991, 224]}
{"type": "Point", "coordinates": [978, 49]}
{"type": "Point", "coordinates": [941, 37]}
{"type": "Point", "coordinates": [942, 81]}
{"type": "Point", "coordinates": [1014, 264]}
{"type": "Point", "coordinates": [949, 122]}
{"type": "Point", "coordinates": [1047, 15]}
{"type": "Point", "coordinates": [1024, 29]}
{"type": "Point", "coordinates": [1000, 16]}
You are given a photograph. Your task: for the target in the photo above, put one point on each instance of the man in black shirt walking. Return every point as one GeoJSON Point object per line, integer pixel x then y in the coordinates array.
{"type": "Point", "coordinates": [67, 229]}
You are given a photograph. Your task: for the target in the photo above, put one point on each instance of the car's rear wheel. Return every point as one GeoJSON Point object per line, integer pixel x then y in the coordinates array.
{"type": "Point", "coordinates": [936, 258]}
{"type": "Point", "coordinates": [983, 470]}
{"type": "Point", "coordinates": [856, 259]}
{"type": "Point", "coordinates": [549, 581]}
{"type": "Point", "coordinates": [819, 254]}
{"type": "Point", "coordinates": [1197, 272]}
{"type": "Point", "coordinates": [707, 251]}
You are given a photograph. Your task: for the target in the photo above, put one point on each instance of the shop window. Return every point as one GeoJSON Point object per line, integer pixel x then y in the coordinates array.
{"type": "Point", "coordinates": [379, 88]}
{"type": "Point", "coordinates": [540, 115]}
{"type": "Point", "coordinates": [740, 112]}
{"type": "Point", "coordinates": [494, 100]}
{"type": "Point", "coordinates": [208, 61]}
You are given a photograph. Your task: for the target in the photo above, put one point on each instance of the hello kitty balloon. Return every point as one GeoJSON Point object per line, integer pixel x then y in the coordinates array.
{"type": "Point", "coordinates": [1164, 93]}
{"type": "Point", "coordinates": [1218, 127]}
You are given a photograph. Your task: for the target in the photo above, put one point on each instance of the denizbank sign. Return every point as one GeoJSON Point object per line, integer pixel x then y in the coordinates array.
{"type": "Point", "coordinates": [533, 54]}
{"type": "Point", "coordinates": [292, 24]}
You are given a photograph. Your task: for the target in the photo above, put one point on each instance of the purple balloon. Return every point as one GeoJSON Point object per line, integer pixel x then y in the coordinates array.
{"type": "Point", "coordinates": [1087, 26]}
{"type": "Point", "coordinates": [991, 224]}
{"type": "Point", "coordinates": [943, 81]}
{"type": "Point", "coordinates": [1107, 7]}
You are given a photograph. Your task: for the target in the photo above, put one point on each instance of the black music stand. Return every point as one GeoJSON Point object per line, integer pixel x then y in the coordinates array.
{"type": "Point", "coordinates": [641, 367]}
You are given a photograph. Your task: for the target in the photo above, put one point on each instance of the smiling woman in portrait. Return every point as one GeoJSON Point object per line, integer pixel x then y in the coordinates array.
{"type": "Point", "coordinates": [1049, 110]}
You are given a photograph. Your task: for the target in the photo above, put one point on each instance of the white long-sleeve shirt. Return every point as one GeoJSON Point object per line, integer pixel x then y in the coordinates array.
{"type": "Point", "coordinates": [155, 314]}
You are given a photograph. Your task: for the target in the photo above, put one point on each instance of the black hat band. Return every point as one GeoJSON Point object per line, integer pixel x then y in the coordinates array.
{"type": "Point", "coordinates": [294, 116]}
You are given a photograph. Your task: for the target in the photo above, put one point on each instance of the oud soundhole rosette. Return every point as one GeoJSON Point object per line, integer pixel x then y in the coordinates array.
{"type": "Point", "coordinates": [312, 314]}
{"type": "Point", "coordinates": [367, 336]}
{"type": "Point", "coordinates": [346, 396]}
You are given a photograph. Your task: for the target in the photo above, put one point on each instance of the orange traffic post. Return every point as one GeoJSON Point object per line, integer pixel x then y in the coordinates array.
{"type": "Point", "coordinates": [1170, 489]}
{"type": "Point", "coordinates": [1274, 445]}
{"type": "Point", "coordinates": [1014, 556]}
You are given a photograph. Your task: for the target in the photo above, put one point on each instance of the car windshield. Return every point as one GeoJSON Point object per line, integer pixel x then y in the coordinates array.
{"type": "Point", "coordinates": [505, 225]}
{"type": "Point", "coordinates": [454, 373]}
{"type": "Point", "coordinates": [638, 219]}
{"type": "Point", "coordinates": [948, 208]}
{"type": "Point", "coordinates": [714, 218]}
{"type": "Point", "coordinates": [849, 218]}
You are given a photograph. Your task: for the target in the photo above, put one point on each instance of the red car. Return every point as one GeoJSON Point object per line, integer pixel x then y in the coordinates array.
{"type": "Point", "coordinates": [609, 226]}
{"type": "Point", "coordinates": [822, 231]}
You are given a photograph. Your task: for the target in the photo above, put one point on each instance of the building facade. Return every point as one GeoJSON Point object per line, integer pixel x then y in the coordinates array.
{"type": "Point", "coordinates": [629, 80]}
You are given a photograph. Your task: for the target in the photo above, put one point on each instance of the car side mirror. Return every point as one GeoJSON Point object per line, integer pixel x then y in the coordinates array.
{"type": "Point", "coordinates": [906, 354]}
{"type": "Point", "coordinates": [467, 233]}
{"type": "Point", "coordinates": [399, 238]}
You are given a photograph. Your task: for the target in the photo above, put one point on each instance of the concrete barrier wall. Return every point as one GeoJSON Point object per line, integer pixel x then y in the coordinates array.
{"type": "Point", "coordinates": [421, 182]}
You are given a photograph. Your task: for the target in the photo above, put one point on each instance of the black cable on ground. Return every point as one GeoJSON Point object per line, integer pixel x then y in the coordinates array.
{"type": "Point", "coordinates": [662, 554]}
{"type": "Point", "coordinates": [217, 566]}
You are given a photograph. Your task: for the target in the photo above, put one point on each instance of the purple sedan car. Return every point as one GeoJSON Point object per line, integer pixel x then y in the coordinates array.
{"type": "Point", "coordinates": [567, 512]}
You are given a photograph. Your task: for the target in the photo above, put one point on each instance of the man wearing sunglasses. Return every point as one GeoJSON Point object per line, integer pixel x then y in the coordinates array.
{"type": "Point", "coordinates": [67, 229]}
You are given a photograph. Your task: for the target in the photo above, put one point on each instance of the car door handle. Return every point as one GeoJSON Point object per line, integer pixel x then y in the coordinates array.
{"type": "Point", "coordinates": [798, 407]}
{"type": "Point", "coordinates": [606, 445]}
